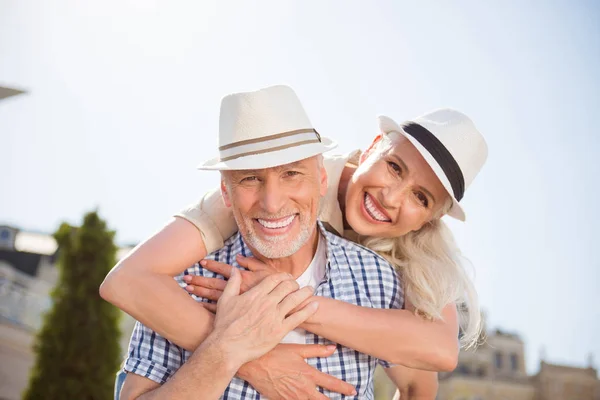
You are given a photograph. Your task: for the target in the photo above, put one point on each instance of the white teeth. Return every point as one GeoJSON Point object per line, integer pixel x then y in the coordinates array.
{"type": "Point", "coordinates": [275, 225]}
{"type": "Point", "coordinates": [373, 211]}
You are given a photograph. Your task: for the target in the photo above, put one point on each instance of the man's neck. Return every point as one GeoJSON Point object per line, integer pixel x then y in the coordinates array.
{"type": "Point", "coordinates": [298, 262]}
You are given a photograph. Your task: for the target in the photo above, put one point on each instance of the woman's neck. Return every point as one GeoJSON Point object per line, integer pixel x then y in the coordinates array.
{"type": "Point", "coordinates": [347, 173]}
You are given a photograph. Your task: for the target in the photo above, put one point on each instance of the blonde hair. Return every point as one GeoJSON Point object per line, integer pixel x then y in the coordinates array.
{"type": "Point", "coordinates": [432, 270]}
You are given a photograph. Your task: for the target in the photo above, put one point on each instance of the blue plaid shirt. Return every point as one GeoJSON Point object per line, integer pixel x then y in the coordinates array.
{"type": "Point", "coordinates": [353, 274]}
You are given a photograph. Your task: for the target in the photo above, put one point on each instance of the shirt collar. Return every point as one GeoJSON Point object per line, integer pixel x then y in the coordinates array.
{"type": "Point", "coordinates": [330, 239]}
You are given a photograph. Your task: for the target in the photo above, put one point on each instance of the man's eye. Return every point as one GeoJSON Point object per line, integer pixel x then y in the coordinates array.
{"type": "Point", "coordinates": [422, 198]}
{"type": "Point", "coordinates": [292, 173]}
{"type": "Point", "coordinates": [395, 167]}
{"type": "Point", "coordinates": [249, 179]}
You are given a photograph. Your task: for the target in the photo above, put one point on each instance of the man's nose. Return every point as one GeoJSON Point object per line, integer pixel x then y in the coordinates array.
{"type": "Point", "coordinates": [272, 196]}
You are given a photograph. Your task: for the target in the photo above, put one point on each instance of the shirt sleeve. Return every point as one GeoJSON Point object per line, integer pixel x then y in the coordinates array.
{"type": "Point", "coordinates": [213, 219]}
{"type": "Point", "coordinates": [394, 295]}
{"type": "Point", "coordinates": [152, 356]}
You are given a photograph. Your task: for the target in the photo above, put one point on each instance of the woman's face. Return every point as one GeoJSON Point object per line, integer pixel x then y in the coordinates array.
{"type": "Point", "coordinates": [393, 191]}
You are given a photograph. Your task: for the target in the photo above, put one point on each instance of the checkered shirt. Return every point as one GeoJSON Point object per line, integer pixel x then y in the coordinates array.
{"type": "Point", "coordinates": [353, 274]}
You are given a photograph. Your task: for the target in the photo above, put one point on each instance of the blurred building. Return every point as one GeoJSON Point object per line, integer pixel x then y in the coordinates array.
{"type": "Point", "coordinates": [496, 371]}
{"type": "Point", "coordinates": [28, 273]}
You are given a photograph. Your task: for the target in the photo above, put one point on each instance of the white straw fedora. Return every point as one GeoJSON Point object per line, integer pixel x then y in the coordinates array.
{"type": "Point", "coordinates": [451, 144]}
{"type": "Point", "coordinates": [264, 129]}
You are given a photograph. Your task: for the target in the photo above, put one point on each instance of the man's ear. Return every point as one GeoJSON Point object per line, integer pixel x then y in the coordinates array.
{"type": "Point", "coordinates": [324, 181]}
{"type": "Point", "coordinates": [225, 194]}
{"type": "Point", "coordinates": [370, 149]}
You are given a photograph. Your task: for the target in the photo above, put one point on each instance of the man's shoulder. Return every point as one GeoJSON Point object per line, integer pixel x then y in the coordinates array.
{"type": "Point", "coordinates": [350, 248]}
{"type": "Point", "coordinates": [231, 247]}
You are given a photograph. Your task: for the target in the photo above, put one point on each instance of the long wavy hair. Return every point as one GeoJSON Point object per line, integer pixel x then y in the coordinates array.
{"type": "Point", "coordinates": [432, 269]}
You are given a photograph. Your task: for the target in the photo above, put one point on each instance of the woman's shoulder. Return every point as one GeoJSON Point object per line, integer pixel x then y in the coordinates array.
{"type": "Point", "coordinates": [330, 209]}
{"type": "Point", "coordinates": [335, 162]}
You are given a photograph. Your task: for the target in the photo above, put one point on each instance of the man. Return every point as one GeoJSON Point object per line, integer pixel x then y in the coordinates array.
{"type": "Point", "coordinates": [246, 327]}
{"type": "Point", "coordinates": [273, 179]}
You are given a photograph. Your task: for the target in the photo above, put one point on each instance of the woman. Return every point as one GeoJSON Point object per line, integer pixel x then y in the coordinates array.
{"type": "Point", "coordinates": [390, 198]}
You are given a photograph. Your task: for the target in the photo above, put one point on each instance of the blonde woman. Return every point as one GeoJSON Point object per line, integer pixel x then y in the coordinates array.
{"type": "Point", "coordinates": [391, 198]}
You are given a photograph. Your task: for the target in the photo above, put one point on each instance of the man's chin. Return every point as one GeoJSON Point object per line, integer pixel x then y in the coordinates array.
{"type": "Point", "coordinates": [276, 246]}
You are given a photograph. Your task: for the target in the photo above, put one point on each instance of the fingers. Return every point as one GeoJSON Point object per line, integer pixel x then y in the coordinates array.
{"type": "Point", "coordinates": [210, 294]}
{"type": "Point", "coordinates": [300, 316]}
{"type": "Point", "coordinates": [287, 287]}
{"type": "Point", "coordinates": [318, 396]}
{"type": "Point", "coordinates": [250, 263]}
{"type": "Point", "coordinates": [217, 267]}
{"type": "Point", "coordinates": [333, 384]}
{"type": "Point", "coordinates": [267, 285]}
{"type": "Point", "coordinates": [311, 350]}
{"type": "Point", "coordinates": [293, 300]}
{"type": "Point", "coordinates": [212, 307]}
{"type": "Point", "coordinates": [233, 284]}
{"type": "Point", "coordinates": [209, 283]}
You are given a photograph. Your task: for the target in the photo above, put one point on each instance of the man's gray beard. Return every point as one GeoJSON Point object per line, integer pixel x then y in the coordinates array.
{"type": "Point", "coordinates": [277, 247]}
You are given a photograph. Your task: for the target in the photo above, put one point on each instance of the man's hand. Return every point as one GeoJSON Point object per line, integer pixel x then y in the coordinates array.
{"type": "Point", "coordinates": [283, 373]}
{"type": "Point", "coordinates": [212, 288]}
{"type": "Point", "coordinates": [249, 325]}
{"type": "Point", "coordinates": [246, 327]}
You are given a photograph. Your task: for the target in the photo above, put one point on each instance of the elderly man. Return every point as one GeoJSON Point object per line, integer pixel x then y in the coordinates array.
{"type": "Point", "coordinates": [273, 179]}
{"type": "Point", "coordinates": [246, 327]}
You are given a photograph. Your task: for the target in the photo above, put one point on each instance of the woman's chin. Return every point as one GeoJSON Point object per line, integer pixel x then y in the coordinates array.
{"type": "Point", "coordinates": [364, 227]}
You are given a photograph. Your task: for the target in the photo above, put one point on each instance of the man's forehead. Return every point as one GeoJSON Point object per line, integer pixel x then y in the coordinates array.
{"type": "Point", "coordinates": [296, 164]}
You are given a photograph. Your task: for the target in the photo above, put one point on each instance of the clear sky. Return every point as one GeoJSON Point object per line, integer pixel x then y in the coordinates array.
{"type": "Point", "coordinates": [124, 98]}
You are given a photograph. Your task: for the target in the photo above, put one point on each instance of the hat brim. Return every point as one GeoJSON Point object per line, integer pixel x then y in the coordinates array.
{"type": "Point", "coordinates": [271, 159]}
{"type": "Point", "coordinates": [387, 125]}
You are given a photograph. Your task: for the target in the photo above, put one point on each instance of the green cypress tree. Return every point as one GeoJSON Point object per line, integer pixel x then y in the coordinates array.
{"type": "Point", "coordinates": [77, 348]}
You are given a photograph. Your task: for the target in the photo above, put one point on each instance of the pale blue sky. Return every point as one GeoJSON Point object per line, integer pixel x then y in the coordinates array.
{"type": "Point", "coordinates": [124, 100]}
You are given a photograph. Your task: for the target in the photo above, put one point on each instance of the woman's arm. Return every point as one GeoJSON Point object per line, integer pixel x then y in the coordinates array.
{"type": "Point", "coordinates": [142, 285]}
{"type": "Point", "coordinates": [396, 336]}
{"type": "Point", "coordinates": [414, 384]}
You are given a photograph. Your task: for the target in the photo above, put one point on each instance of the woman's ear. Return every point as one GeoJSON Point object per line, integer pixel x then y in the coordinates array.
{"type": "Point", "coordinates": [370, 149]}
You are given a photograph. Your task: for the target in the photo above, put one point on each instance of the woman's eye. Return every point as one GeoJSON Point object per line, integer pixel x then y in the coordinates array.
{"type": "Point", "coordinates": [422, 198]}
{"type": "Point", "coordinates": [395, 167]}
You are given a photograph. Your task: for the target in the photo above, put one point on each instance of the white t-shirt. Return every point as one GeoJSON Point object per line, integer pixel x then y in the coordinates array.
{"type": "Point", "coordinates": [313, 276]}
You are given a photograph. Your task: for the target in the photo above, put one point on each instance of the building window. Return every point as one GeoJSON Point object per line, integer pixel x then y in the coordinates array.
{"type": "Point", "coordinates": [463, 370]}
{"type": "Point", "coordinates": [481, 372]}
{"type": "Point", "coordinates": [6, 238]}
{"type": "Point", "coordinates": [514, 362]}
{"type": "Point", "coordinates": [498, 360]}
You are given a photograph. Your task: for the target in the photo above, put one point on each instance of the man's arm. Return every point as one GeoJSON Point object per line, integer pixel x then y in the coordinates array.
{"type": "Point", "coordinates": [246, 327]}
{"type": "Point", "coordinates": [205, 375]}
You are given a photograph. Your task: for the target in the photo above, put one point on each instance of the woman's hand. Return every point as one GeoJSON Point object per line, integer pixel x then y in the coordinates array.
{"type": "Point", "coordinates": [212, 288]}
{"type": "Point", "coordinates": [283, 374]}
